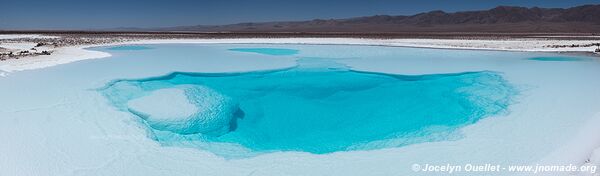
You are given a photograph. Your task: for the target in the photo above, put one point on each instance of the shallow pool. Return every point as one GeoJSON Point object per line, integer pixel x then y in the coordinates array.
{"type": "Point", "coordinates": [320, 106]}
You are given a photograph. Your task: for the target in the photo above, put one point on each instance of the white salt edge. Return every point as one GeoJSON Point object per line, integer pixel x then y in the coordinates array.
{"type": "Point", "coordinates": [59, 56]}
{"type": "Point", "coordinates": [164, 105]}
{"type": "Point", "coordinates": [186, 109]}
{"type": "Point", "coordinates": [65, 55]}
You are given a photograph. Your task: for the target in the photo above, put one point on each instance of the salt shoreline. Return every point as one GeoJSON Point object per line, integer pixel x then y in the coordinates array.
{"type": "Point", "coordinates": [69, 54]}
{"type": "Point", "coordinates": [63, 55]}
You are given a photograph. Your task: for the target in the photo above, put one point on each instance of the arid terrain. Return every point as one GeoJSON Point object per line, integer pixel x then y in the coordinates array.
{"type": "Point", "coordinates": [580, 19]}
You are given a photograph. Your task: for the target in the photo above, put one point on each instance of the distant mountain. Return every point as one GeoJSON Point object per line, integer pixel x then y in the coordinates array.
{"type": "Point", "coordinates": [584, 18]}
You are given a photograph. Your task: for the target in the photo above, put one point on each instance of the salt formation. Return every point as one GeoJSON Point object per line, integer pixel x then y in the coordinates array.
{"type": "Point", "coordinates": [188, 109]}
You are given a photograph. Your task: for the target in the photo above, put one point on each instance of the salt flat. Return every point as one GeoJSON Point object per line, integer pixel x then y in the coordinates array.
{"type": "Point", "coordinates": [60, 126]}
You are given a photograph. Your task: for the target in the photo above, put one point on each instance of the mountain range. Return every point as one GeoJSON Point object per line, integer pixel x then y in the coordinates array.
{"type": "Point", "coordinates": [578, 19]}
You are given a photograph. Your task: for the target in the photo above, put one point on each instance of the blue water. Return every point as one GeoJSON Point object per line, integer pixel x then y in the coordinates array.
{"type": "Point", "coordinates": [128, 48]}
{"type": "Point", "coordinates": [323, 107]}
{"type": "Point", "coordinates": [557, 59]}
{"type": "Point", "coordinates": [268, 51]}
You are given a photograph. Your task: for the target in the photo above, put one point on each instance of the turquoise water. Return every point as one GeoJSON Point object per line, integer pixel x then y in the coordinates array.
{"type": "Point", "coordinates": [129, 48]}
{"type": "Point", "coordinates": [323, 107]}
{"type": "Point", "coordinates": [268, 51]}
{"type": "Point", "coordinates": [557, 59]}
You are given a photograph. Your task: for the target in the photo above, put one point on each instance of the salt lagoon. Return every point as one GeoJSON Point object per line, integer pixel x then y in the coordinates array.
{"type": "Point", "coordinates": [480, 107]}
{"type": "Point", "coordinates": [318, 107]}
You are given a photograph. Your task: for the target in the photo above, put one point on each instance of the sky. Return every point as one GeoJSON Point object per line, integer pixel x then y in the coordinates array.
{"type": "Point", "coordinates": [104, 14]}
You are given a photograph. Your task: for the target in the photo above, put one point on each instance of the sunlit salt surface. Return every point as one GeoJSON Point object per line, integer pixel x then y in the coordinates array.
{"type": "Point", "coordinates": [318, 107]}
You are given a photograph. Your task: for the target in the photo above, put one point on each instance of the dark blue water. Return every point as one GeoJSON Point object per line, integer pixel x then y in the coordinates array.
{"type": "Point", "coordinates": [557, 59]}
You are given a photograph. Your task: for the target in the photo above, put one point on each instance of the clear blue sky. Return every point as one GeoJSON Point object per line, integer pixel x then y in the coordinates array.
{"type": "Point", "coordinates": [94, 14]}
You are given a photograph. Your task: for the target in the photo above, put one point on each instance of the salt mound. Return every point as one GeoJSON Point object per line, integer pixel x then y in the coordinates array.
{"type": "Point", "coordinates": [188, 109]}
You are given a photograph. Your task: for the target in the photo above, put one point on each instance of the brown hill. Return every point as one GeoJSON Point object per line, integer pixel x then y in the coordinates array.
{"type": "Point", "coordinates": [584, 18]}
